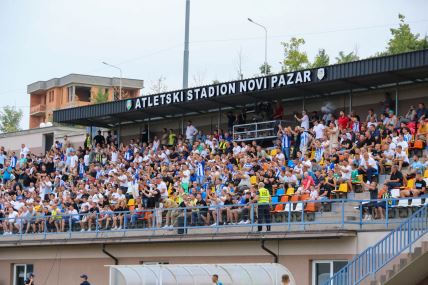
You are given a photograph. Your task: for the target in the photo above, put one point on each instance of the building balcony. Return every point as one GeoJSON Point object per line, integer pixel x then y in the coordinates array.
{"type": "Point", "coordinates": [38, 110]}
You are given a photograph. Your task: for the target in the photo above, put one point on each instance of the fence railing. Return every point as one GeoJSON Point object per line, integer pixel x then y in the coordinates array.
{"type": "Point", "coordinates": [258, 130]}
{"type": "Point", "coordinates": [370, 261]}
{"type": "Point", "coordinates": [287, 216]}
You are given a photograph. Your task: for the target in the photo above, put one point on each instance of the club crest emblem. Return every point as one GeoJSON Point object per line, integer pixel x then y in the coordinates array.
{"type": "Point", "coordinates": [128, 105]}
{"type": "Point", "coordinates": [320, 73]}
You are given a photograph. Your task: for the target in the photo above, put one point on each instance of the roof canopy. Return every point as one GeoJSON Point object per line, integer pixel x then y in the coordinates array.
{"type": "Point", "coordinates": [363, 75]}
{"type": "Point", "coordinates": [199, 274]}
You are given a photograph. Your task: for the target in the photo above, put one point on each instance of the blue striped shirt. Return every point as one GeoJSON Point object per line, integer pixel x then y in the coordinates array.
{"type": "Point", "coordinates": [285, 141]}
{"type": "Point", "coordinates": [304, 139]}
{"type": "Point", "coordinates": [13, 161]}
{"type": "Point", "coordinates": [200, 169]}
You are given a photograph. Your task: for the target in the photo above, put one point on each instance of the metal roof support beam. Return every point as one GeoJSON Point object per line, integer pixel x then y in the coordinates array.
{"type": "Point", "coordinates": [94, 123]}
{"type": "Point", "coordinates": [350, 101]}
{"type": "Point", "coordinates": [225, 104]}
{"type": "Point", "coordinates": [402, 77]}
{"type": "Point", "coordinates": [358, 84]}
{"type": "Point", "coordinates": [187, 109]}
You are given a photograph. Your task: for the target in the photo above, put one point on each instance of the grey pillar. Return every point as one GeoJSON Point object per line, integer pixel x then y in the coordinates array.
{"type": "Point", "coordinates": [119, 134]}
{"type": "Point", "coordinates": [396, 100]}
{"type": "Point", "coordinates": [90, 133]}
{"type": "Point", "coordinates": [148, 130]}
{"type": "Point", "coordinates": [350, 102]}
{"type": "Point", "coordinates": [303, 103]}
{"type": "Point", "coordinates": [219, 117]}
{"type": "Point", "coordinates": [182, 124]}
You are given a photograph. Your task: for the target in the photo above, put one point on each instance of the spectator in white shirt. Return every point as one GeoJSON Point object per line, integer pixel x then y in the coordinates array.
{"type": "Point", "coordinates": [24, 150]}
{"type": "Point", "coordinates": [319, 130]}
{"type": "Point", "coordinates": [304, 121]}
{"type": "Point", "coordinates": [191, 131]}
{"type": "Point", "coordinates": [400, 158]}
{"type": "Point", "coordinates": [368, 166]}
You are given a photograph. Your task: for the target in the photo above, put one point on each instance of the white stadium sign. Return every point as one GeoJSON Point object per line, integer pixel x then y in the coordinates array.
{"type": "Point", "coordinates": [228, 88]}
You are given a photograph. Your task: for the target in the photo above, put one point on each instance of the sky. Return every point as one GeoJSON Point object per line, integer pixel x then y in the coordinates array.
{"type": "Point", "coordinates": [43, 39]}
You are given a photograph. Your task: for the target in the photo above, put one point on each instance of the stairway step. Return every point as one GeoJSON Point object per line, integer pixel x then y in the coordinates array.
{"type": "Point", "coordinates": [424, 246]}
{"type": "Point", "coordinates": [417, 252]}
{"type": "Point", "coordinates": [403, 263]}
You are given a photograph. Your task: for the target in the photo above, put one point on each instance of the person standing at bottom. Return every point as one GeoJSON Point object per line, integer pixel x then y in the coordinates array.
{"type": "Point", "coordinates": [84, 279]}
{"type": "Point", "coordinates": [263, 199]}
{"type": "Point", "coordinates": [285, 280]}
{"type": "Point", "coordinates": [215, 280]}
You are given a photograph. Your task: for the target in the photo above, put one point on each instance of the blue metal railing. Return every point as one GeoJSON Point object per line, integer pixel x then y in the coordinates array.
{"type": "Point", "coordinates": [290, 216]}
{"type": "Point", "coordinates": [371, 260]}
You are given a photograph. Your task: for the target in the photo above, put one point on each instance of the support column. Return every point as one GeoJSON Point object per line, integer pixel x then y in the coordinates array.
{"type": "Point", "coordinates": [119, 134]}
{"type": "Point", "coordinates": [90, 133]}
{"type": "Point", "coordinates": [303, 103]}
{"type": "Point", "coordinates": [219, 117]}
{"type": "Point", "coordinates": [350, 102]}
{"type": "Point", "coordinates": [396, 100]}
{"type": "Point", "coordinates": [148, 130]}
{"type": "Point", "coordinates": [182, 124]}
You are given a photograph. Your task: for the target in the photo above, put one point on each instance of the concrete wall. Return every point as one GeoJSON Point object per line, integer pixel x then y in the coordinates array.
{"type": "Point", "coordinates": [67, 262]}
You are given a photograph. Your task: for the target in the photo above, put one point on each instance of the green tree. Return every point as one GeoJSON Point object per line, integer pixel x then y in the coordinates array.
{"type": "Point", "coordinates": [321, 59]}
{"type": "Point", "coordinates": [101, 97]}
{"type": "Point", "coordinates": [294, 59]}
{"type": "Point", "coordinates": [10, 118]}
{"type": "Point", "coordinates": [265, 68]}
{"type": "Point", "coordinates": [346, 57]}
{"type": "Point", "coordinates": [403, 40]}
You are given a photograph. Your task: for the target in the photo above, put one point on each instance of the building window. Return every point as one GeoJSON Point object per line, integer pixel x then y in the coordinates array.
{"type": "Point", "coordinates": [50, 96]}
{"type": "Point", "coordinates": [70, 94]}
{"type": "Point", "coordinates": [322, 270]}
{"type": "Point", "coordinates": [20, 272]}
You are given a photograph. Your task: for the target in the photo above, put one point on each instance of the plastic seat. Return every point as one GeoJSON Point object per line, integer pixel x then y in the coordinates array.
{"type": "Point", "coordinates": [395, 193]}
{"type": "Point", "coordinates": [403, 203]}
{"type": "Point", "coordinates": [287, 207]}
{"type": "Point", "coordinates": [280, 207]}
{"type": "Point", "coordinates": [426, 173]}
{"type": "Point", "coordinates": [310, 207]}
{"type": "Point", "coordinates": [131, 202]}
{"type": "Point", "coordinates": [280, 192]}
{"type": "Point", "coordinates": [299, 207]}
{"type": "Point", "coordinates": [274, 199]}
{"type": "Point", "coordinates": [417, 202]}
{"type": "Point", "coordinates": [343, 187]}
{"type": "Point", "coordinates": [290, 191]}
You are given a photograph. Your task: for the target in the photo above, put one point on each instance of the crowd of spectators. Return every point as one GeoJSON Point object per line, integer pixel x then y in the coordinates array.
{"type": "Point", "coordinates": [107, 186]}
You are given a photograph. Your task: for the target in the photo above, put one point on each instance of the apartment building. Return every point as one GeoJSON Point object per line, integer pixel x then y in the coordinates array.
{"type": "Point", "coordinates": [75, 90]}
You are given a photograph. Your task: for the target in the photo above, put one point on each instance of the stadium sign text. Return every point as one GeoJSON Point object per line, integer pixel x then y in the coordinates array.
{"type": "Point", "coordinates": [224, 89]}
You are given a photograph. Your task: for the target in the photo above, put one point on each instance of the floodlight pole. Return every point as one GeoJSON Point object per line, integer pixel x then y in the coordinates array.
{"type": "Point", "coordinates": [186, 47]}
{"type": "Point", "coordinates": [264, 28]}
{"type": "Point", "coordinates": [120, 78]}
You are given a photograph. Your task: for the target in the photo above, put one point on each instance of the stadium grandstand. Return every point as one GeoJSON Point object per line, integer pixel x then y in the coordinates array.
{"type": "Point", "coordinates": [321, 170]}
